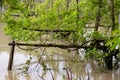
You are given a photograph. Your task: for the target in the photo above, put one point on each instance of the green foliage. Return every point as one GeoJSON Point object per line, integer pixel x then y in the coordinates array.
{"type": "Point", "coordinates": [99, 36]}
{"type": "Point", "coordinates": [96, 36]}
{"type": "Point", "coordinates": [48, 15]}
{"type": "Point", "coordinates": [115, 40]}
{"type": "Point", "coordinates": [96, 55]}
{"type": "Point", "coordinates": [52, 16]}
{"type": "Point", "coordinates": [26, 67]}
{"type": "Point", "coordinates": [44, 66]}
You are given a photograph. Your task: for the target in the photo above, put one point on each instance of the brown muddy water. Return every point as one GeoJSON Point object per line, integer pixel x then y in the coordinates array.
{"type": "Point", "coordinates": [55, 64]}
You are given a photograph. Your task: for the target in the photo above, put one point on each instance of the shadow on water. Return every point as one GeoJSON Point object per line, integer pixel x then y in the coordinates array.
{"type": "Point", "coordinates": [54, 64]}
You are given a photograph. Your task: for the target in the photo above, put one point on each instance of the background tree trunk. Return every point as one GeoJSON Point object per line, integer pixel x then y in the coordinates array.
{"type": "Point", "coordinates": [112, 15]}
{"type": "Point", "coordinates": [0, 5]}
{"type": "Point", "coordinates": [119, 20]}
{"type": "Point", "coordinates": [98, 16]}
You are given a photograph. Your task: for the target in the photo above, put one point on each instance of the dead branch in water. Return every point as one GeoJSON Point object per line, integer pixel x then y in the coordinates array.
{"type": "Point", "coordinates": [49, 45]}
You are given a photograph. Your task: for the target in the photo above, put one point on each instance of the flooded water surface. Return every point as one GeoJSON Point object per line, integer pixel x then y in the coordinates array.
{"type": "Point", "coordinates": [49, 64]}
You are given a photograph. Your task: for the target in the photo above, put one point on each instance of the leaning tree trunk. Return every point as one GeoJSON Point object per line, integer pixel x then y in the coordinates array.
{"type": "Point", "coordinates": [67, 4]}
{"type": "Point", "coordinates": [109, 58]}
{"type": "Point", "coordinates": [77, 15]}
{"type": "Point", "coordinates": [119, 20]}
{"type": "Point", "coordinates": [112, 15]}
{"type": "Point", "coordinates": [98, 16]}
{"type": "Point", "coordinates": [0, 5]}
{"type": "Point", "coordinates": [108, 62]}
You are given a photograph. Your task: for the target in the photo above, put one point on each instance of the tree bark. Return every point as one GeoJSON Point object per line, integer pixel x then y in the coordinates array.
{"type": "Point", "coordinates": [67, 4]}
{"type": "Point", "coordinates": [0, 5]}
{"type": "Point", "coordinates": [119, 21]}
{"type": "Point", "coordinates": [112, 15]}
{"type": "Point", "coordinates": [108, 62]}
{"type": "Point", "coordinates": [11, 56]}
{"type": "Point", "coordinates": [77, 16]}
{"type": "Point", "coordinates": [98, 16]}
{"type": "Point", "coordinates": [109, 58]}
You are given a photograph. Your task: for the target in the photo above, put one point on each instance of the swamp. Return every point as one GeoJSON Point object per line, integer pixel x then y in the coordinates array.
{"type": "Point", "coordinates": [59, 40]}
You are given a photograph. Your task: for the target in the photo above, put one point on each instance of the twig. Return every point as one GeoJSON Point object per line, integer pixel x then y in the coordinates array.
{"type": "Point", "coordinates": [41, 77]}
{"type": "Point", "coordinates": [28, 4]}
{"type": "Point", "coordinates": [27, 49]}
{"type": "Point", "coordinates": [41, 57]}
{"type": "Point", "coordinates": [68, 75]}
{"type": "Point", "coordinates": [88, 74]}
{"type": "Point", "coordinates": [51, 74]}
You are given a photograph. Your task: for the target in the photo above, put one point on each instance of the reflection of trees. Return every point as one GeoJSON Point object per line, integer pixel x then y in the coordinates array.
{"type": "Point", "coordinates": [54, 57]}
{"type": "Point", "coordinates": [55, 62]}
{"type": "Point", "coordinates": [15, 76]}
{"type": "Point", "coordinates": [11, 76]}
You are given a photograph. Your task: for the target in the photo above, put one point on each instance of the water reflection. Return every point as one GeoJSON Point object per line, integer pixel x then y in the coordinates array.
{"type": "Point", "coordinates": [57, 68]}
{"type": "Point", "coordinates": [3, 60]}
{"type": "Point", "coordinates": [46, 75]}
